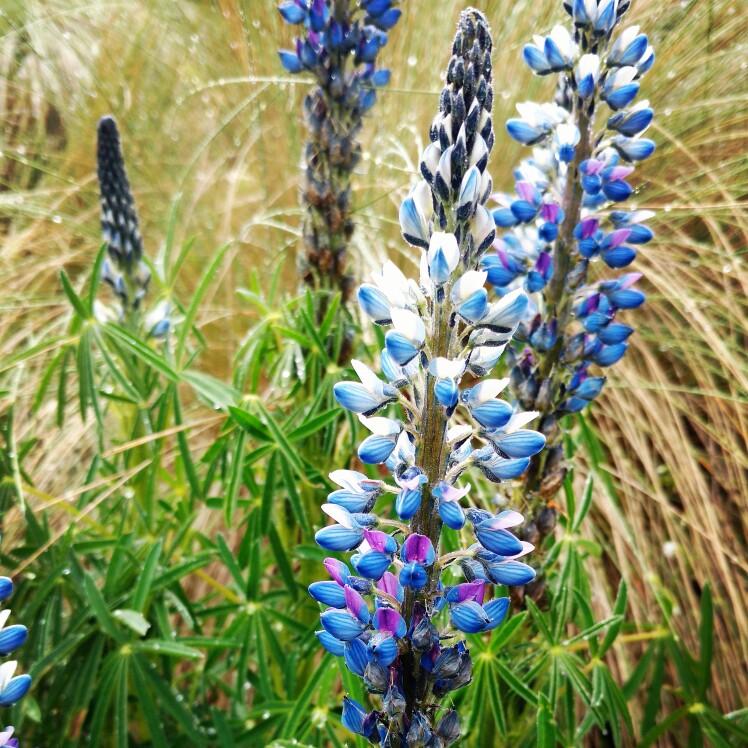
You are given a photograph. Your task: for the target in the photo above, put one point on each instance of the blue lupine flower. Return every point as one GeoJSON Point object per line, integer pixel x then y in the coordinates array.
{"type": "Point", "coordinates": [603, 70]}
{"type": "Point", "coordinates": [441, 329]}
{"type": "Point", "coordinates": [12, 689]}
{"type": "Point", "coordinates": [339, 45]}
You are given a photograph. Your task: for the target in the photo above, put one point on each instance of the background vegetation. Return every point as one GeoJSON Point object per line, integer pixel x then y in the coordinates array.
{"type": "Point", "coordinates": [158, 538]}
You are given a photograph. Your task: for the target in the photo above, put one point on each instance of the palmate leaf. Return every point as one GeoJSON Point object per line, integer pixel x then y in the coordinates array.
{"type": "Point", "coordinates": [546, 729]}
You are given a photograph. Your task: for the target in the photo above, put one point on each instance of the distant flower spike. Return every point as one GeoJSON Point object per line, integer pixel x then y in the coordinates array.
{"type": "Point", "coordinates": [338, 44]}
{"type": "Point", "coordinates": [123, 268]}
{"type": "Point", "coordinates": [440, 330]}
{"type": "Point", "coordinates": [12, 687]}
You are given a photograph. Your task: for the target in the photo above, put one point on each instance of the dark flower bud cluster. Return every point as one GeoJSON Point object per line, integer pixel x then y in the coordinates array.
{"type": "Point", "coordinates": [565, 228]}
{"type": "Point", "coordinates": [123, 268]}
{"type": "Point", "coordinates": [396, 611]}
{"type": "Point", "coordinates": [339, 45]}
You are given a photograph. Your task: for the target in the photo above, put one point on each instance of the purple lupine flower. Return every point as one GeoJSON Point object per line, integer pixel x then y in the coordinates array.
{"type": "Point", "coordinates": [440, 329]}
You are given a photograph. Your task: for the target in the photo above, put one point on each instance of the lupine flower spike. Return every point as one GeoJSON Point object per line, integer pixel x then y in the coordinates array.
{"type": "Point", "coordinates": [338, 44]}
{"type": "Point", "coordinates": [566, 229]}
{"type": "Point", "coordinates": [396, 617]}
{"type": "Point", "coordinates": [12, 687]}
{"type": "Point", "coordinates": [123, 268]}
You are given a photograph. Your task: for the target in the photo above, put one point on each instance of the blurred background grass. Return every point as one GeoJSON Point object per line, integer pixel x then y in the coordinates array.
{"type": "Point", "coordinates": [210, 124]}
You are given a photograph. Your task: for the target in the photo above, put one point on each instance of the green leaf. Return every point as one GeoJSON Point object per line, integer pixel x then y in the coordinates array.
{"type": "Point", "coordinates": [196, 299]}
{"type": "Point", "coordinates": [515, 683]}
{"type": "Point", "coordinates": [706, 641]}
{"type": "Point", "coordinates": [250, 423]}
{"type": "Point", "coordinates": [301, 706]}
{"type": "Point", "coordinates": [584, 507]}
{"type": "Point", "coordinates": [133, 620]}
{"type": "Point", "coordinates": [152, 717]}
{"type": "Point", "coordinates": [235, 478]}
{"type": "Point", "coordinates": [100, 609]}
{"type": "Point", "coordinates": [284, 566]}
{"type": "Point", "coordinates": [168, 648]}
{"type": "Point", "coordinates": [619, 610]}
{"type": "Point", "coordinates": [313, 425]}
{"type": "Point", "coordinates": [663, 727]}
{"type": "Point", "coordinates": [73, 297]}
{"type": "Point", "coordinates": [215, 393]}
{"type": "Point", "coordinates": [146, 577]}
{"type": "Point", "coordinates": [546, 729]}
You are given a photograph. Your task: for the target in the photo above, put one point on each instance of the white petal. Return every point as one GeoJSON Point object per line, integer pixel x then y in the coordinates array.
{"type": "Point", "coordinates": [467, 284]}
{"type": "Point", "coordinates": [409, 324]}
{"type": "Point", "coordinates": [6, 672]}
{"type": "Point", "coordinates": [4, 617]}
{"type": "Point", "coordinates": [340, 515]}
{"type": "Point", "coordinates": [368, 378]}
{"type": "Point", "coordinates": [518, 420]}
{"type": "Point", "coordinates": [348, 479]}
{"type": "Point", "coordinates": [444, 368]}
{"type": "Point", "coordinates": [488, 389]}
{"type": "Point", "coordinates": [380, 426]}
{"type": "Point", "coordinates": [458, 433]}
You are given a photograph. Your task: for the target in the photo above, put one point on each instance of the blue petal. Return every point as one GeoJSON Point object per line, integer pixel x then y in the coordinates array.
{"type": "Point", "coordinates": [523, 211]}
{"type": "Point", "coordinates": [407, 503]}
{"type": "Point", "coordinates": [586, 86]}
{"type": "Point", "coordinates": [413, 575]}
{"type": "Point", "coordinates": [635, 150]}
{"type": "Point", "coordinates": [522, 443]}
{"type": "Point", "coordinates": [633, 53]}
{"type": "Point", "coordinates": [493, 414]}
{"type": "Point", "coordinates": [439, 267]}
{"type": "Point", "coordinates": [511, 573]}
{"type": "Point", "coordinates": [627, 298]}
{"type": "Point", "coordinates": [640, 234]}
{"type": "Point", "coordinates": [290, 61]}
{"type": "Point", "coordinates": [619, 257]}
{"type": "Point", "coordinates": [591, 387]}
{"type": "Point", "coordinates": [554, 56]}
{"type": "Point", "coordinates": [381, 78]}
{"type": "Point", "coordinates": [605, 21]}
{"type": "Point", "coordinates": [389, 19]}
{"type": "Point", "coordinates": [617, 191]}
{"type": "Point", "coordinates": [356, 398]}
{"type": "Point", "coordinates": [612, 334]}
{"type": "Point", "coordinates": [468, 617]}
{"type": "Point", "coordinates": [504, 218]}
{"type": "Point", "coordinates": [399, 347]}
{"type": "Point", "coordinates": [374, 304]}
{"type": "Point", "coordinates": [496, 610]}
{"type": "Point", "coordinates": [509, 469]}
{"type": "Point", "coordinates": [353, 502]}
{"type": "Point", "coordinates": [375, 449]}
{"type": "Point", "coordinates": [328, 593]}
{"type": "Point", "coordinates": [498, 275]}
{"type": "Point", "coordinates": [623, 96]}
{"type": "Point", "coordinates": [414, 231]}
{"type": "Point", "coordinates": [330, 643]}
{"type": "Point", "coordinates": [15, 690]}
{"type": "Point", "coordinates": [371, 565]}
{"type": "Point", "coordinates": [293, 14]}
{"type": "Point", "coordinates": [474, 307]}
{"type": "Point", "coordinates": [6, 587]}
{"type": "Point", "coordinates": [535, 59]}
{"type": "Point", "coordinates": [524, 133]}
{"type": "Point", "coordinates": [452, 514]}
{"type": "Point", "coordinates": [338, 538]}
{"type": "Point", "coordinates": [356, 656]}
{"type": "Point", "coordinates": [446, 392]}
{"type": "Point", "coordinates": [353, 716]}
{"type": "Point", "coordinates": [341, 625]}
{"type": "Point", "coordinates": [385, 651]}
{"type": "Point", "coordinates": [610, 354]}
{"type": "Point", "coordinates": [498, 541]}
{"type": "Point", "coordinates": [12, 637]}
